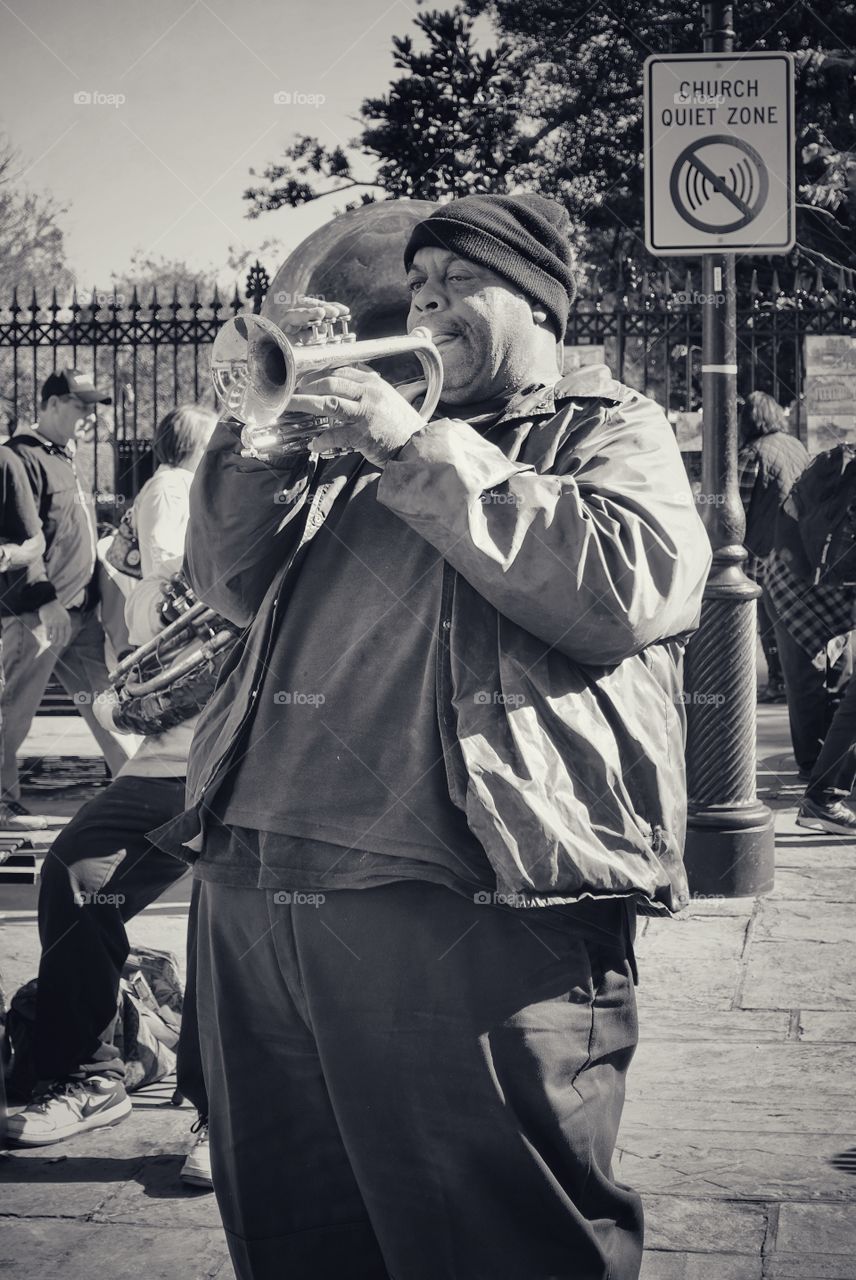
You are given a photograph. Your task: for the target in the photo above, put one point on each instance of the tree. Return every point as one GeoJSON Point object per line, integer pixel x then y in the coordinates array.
{"type": "Point", "coordinates": [441, 130]}
{"type": "Point", "coordinates": [556, 107]}
{"type": "Point", "coordinates": [32, 252]}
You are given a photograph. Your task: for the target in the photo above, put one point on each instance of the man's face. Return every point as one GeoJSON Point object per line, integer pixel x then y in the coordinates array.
{"type": "Point", "coordinates": [482, 326]}
{"type": "Point", "coordinates": [66, 416]}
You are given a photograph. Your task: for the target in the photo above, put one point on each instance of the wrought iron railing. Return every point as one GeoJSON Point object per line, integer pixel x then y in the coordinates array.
{"type": "Point", "coordinates": [153, 353]}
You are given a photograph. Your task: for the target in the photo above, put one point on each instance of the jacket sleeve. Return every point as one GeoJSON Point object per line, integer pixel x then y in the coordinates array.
{"type": "Point", "coordinates": [601, 558]}
{"type": "Point", "coordinates": [242, 524]}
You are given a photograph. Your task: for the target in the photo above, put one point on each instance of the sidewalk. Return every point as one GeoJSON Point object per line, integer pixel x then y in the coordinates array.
{"type": "Point", "coordinates": [739, 1129]}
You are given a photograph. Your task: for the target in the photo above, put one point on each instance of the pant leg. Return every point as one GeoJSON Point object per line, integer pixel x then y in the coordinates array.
{"type": "Point", "coordinates": [766, 628]}
{"type": "Point", "coordinates": [28, 670]}
{"type": "Point", "coordinates": [82, 670]}
{"type": "Point", "coordinates": [190, 1077]}
{"type": "Point", "coordinates": [834, 774]}
{"type": "Point", "coordinates": [476, 1063]}
{"type": "Point", "coordinates": [810, 708]}
{"type": "Point", "coordinates": [99, 873]}
{"type": "Point", "coordinates": [286, 1191]}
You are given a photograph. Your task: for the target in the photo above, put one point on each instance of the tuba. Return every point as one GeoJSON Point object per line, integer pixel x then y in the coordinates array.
{"type": "Point", "coordinates": [356, 258]}
{"type": "Point", "coordinates": [168, 679]}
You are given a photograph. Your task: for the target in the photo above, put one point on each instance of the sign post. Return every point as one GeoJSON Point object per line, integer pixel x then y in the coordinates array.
{"type": "Point", "coordinates": [719, 180]}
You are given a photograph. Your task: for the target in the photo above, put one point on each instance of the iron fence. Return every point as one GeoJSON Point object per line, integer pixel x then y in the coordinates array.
{"type": "Point", "coordinates": [153, 354]}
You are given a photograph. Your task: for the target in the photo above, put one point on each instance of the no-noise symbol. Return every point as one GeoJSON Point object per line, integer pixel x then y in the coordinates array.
{"type": "Point", "coordinates": [715, 177]}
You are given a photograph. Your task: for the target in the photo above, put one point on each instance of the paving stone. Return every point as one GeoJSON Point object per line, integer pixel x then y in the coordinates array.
{"type": "Point", "coordinates": [831, 1027]}
{"type": "Point", "coordinates": [158, 1197]}
{"type": "Point", "coordinates": [734, 1166]}
{"type": "Point", "coordinates": [658, 1023]}
{"type": "Point", "coordinates": [68, 1250]}
{"type": "Point", "coordinates": [827, 882]}
{"type": "Point", "coordinates": [690, 1073]}
{"type": "Point", "coordinates": [817, 1228]}
{"type": "Point", "coordinates": [822, 922]}
{"type": "Point", "coordinates": [715, 1226]}
{"type": "Point", "coordinates": [799, 975]}
{"type": "Point", "coordinates": [813, 851]}
{"type": "Point", "coordinates": [715, 945]}
{"type": "Point", "coordinates": [80, 1176]}
{"type": "Point", "coordinates": [814, 1266]}
{"type": "Point", "coordinates": [699, 1266]}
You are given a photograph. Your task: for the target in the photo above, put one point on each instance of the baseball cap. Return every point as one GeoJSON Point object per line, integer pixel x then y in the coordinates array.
{"type": "Point", "coordinates": [73, 382]}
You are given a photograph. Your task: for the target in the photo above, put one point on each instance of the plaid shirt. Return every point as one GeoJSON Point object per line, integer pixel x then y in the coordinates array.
{"type": "Point", "coordinates": [818, 617]}
{"type": "Point", "coordinates": [747, 473]}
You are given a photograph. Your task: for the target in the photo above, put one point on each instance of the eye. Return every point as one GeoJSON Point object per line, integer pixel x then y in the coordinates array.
{"type": "Point", "coordinates": [413, 285]}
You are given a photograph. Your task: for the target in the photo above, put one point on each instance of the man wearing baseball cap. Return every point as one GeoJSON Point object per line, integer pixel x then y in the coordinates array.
{"type": "Point", "coordinates": [55, 627]}
{"type": "Point", "coordinates": [425, 802]}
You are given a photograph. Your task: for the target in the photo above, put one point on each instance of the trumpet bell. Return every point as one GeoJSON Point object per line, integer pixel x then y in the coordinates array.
{"type": "Point", "coordinates": [256, 370]}
{"type": "Point", "coordinates": [253, 369]}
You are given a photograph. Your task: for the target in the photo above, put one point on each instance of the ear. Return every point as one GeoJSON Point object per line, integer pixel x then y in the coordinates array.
{"type": "Point", "coordinates": [539, 315]}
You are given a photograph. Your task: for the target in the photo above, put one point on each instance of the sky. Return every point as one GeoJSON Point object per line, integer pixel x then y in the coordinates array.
{"type": "Point", "coordinates": [143, 117]}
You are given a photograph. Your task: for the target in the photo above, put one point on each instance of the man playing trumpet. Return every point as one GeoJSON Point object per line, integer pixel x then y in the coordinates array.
{"type": "Point", "coordinates": [434, 783]}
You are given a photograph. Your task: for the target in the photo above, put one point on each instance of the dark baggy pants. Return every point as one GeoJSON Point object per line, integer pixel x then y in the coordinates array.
{"type": "Point", "coordinates": [767, 632]}
{"type": "Point", "coordinates": [812, 696]}
{"type": "Point", "coordinates": [834, 774]}
{"type": "Point", "coordinates": [405, 1083]}
{"type": "Point", "coordinates": [99, 873]}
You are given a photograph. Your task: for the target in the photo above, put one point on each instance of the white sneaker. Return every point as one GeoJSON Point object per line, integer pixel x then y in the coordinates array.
{"type": "Point", "coordinates": [14, 817]}
{"type": "Point", "coordinates": [68, 1108]}
{"type": "Point", "coordinates": [197, 1167]}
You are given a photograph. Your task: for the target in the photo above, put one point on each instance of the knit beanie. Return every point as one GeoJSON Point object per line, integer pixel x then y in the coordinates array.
{"type": "Point", "coordinates": [523, 238]}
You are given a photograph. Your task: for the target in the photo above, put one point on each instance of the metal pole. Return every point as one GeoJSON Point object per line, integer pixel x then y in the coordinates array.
{"type": "Point", "coordinates": [730, 840]}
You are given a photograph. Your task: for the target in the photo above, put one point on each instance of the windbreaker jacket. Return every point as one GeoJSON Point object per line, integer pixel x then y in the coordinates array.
{"type": "Point", "coordinates": [574, 564]}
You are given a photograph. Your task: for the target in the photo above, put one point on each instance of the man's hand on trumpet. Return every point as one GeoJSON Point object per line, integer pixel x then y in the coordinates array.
{"type": "Point", "coordinates": [366, 413]}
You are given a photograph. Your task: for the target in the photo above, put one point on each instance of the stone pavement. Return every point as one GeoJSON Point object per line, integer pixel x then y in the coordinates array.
{"type": "Point", "coordinates": [739, 1130]}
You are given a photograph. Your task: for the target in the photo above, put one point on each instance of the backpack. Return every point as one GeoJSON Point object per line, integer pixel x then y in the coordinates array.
{"type": "Point", "coordinates": [147, 1025]}
{"type": "Point", "coordinates": [823, 502]}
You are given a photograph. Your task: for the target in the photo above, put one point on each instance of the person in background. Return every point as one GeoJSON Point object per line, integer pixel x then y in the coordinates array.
{"type": "Point", "coordinates": [22, 544]}
{"type": "Point", "coordinates": [813, 620]}
{"type": "Point", "coordinates": [55, 628]}
{"type": "Point", "coordinates": [769, 462]}
{"type": "Point", "coordinates": [104, 853]}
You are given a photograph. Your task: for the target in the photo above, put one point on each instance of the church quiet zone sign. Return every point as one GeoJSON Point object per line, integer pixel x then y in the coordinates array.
{"type": "Point", "coordinates": [719, 153]}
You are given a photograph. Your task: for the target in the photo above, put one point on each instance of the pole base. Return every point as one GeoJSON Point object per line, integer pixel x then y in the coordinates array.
{"type": "Point", "coordinates": [731, 852]}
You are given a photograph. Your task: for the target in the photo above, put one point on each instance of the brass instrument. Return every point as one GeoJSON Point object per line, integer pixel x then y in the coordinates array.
{"type": "Point", "coordinates": [168, 679]}
{"type": "Point", "coordinates": [256, 370]}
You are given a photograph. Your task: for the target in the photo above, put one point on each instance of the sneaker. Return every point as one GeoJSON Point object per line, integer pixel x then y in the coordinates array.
{"type": "Point", "coordinates": [68, 1108]}
{"type": "Point", "coordinates": [836, 817]}
{"type": "Point", "coordinates": [197, 1167]}
{"type": "Point", "coordinates": [14, 817]}
{"type": "Point", "coordinates": [774, 692]}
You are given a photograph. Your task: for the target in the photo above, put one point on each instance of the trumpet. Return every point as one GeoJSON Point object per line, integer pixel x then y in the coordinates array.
{"type": "Point", "coordinates": [256, 370]}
